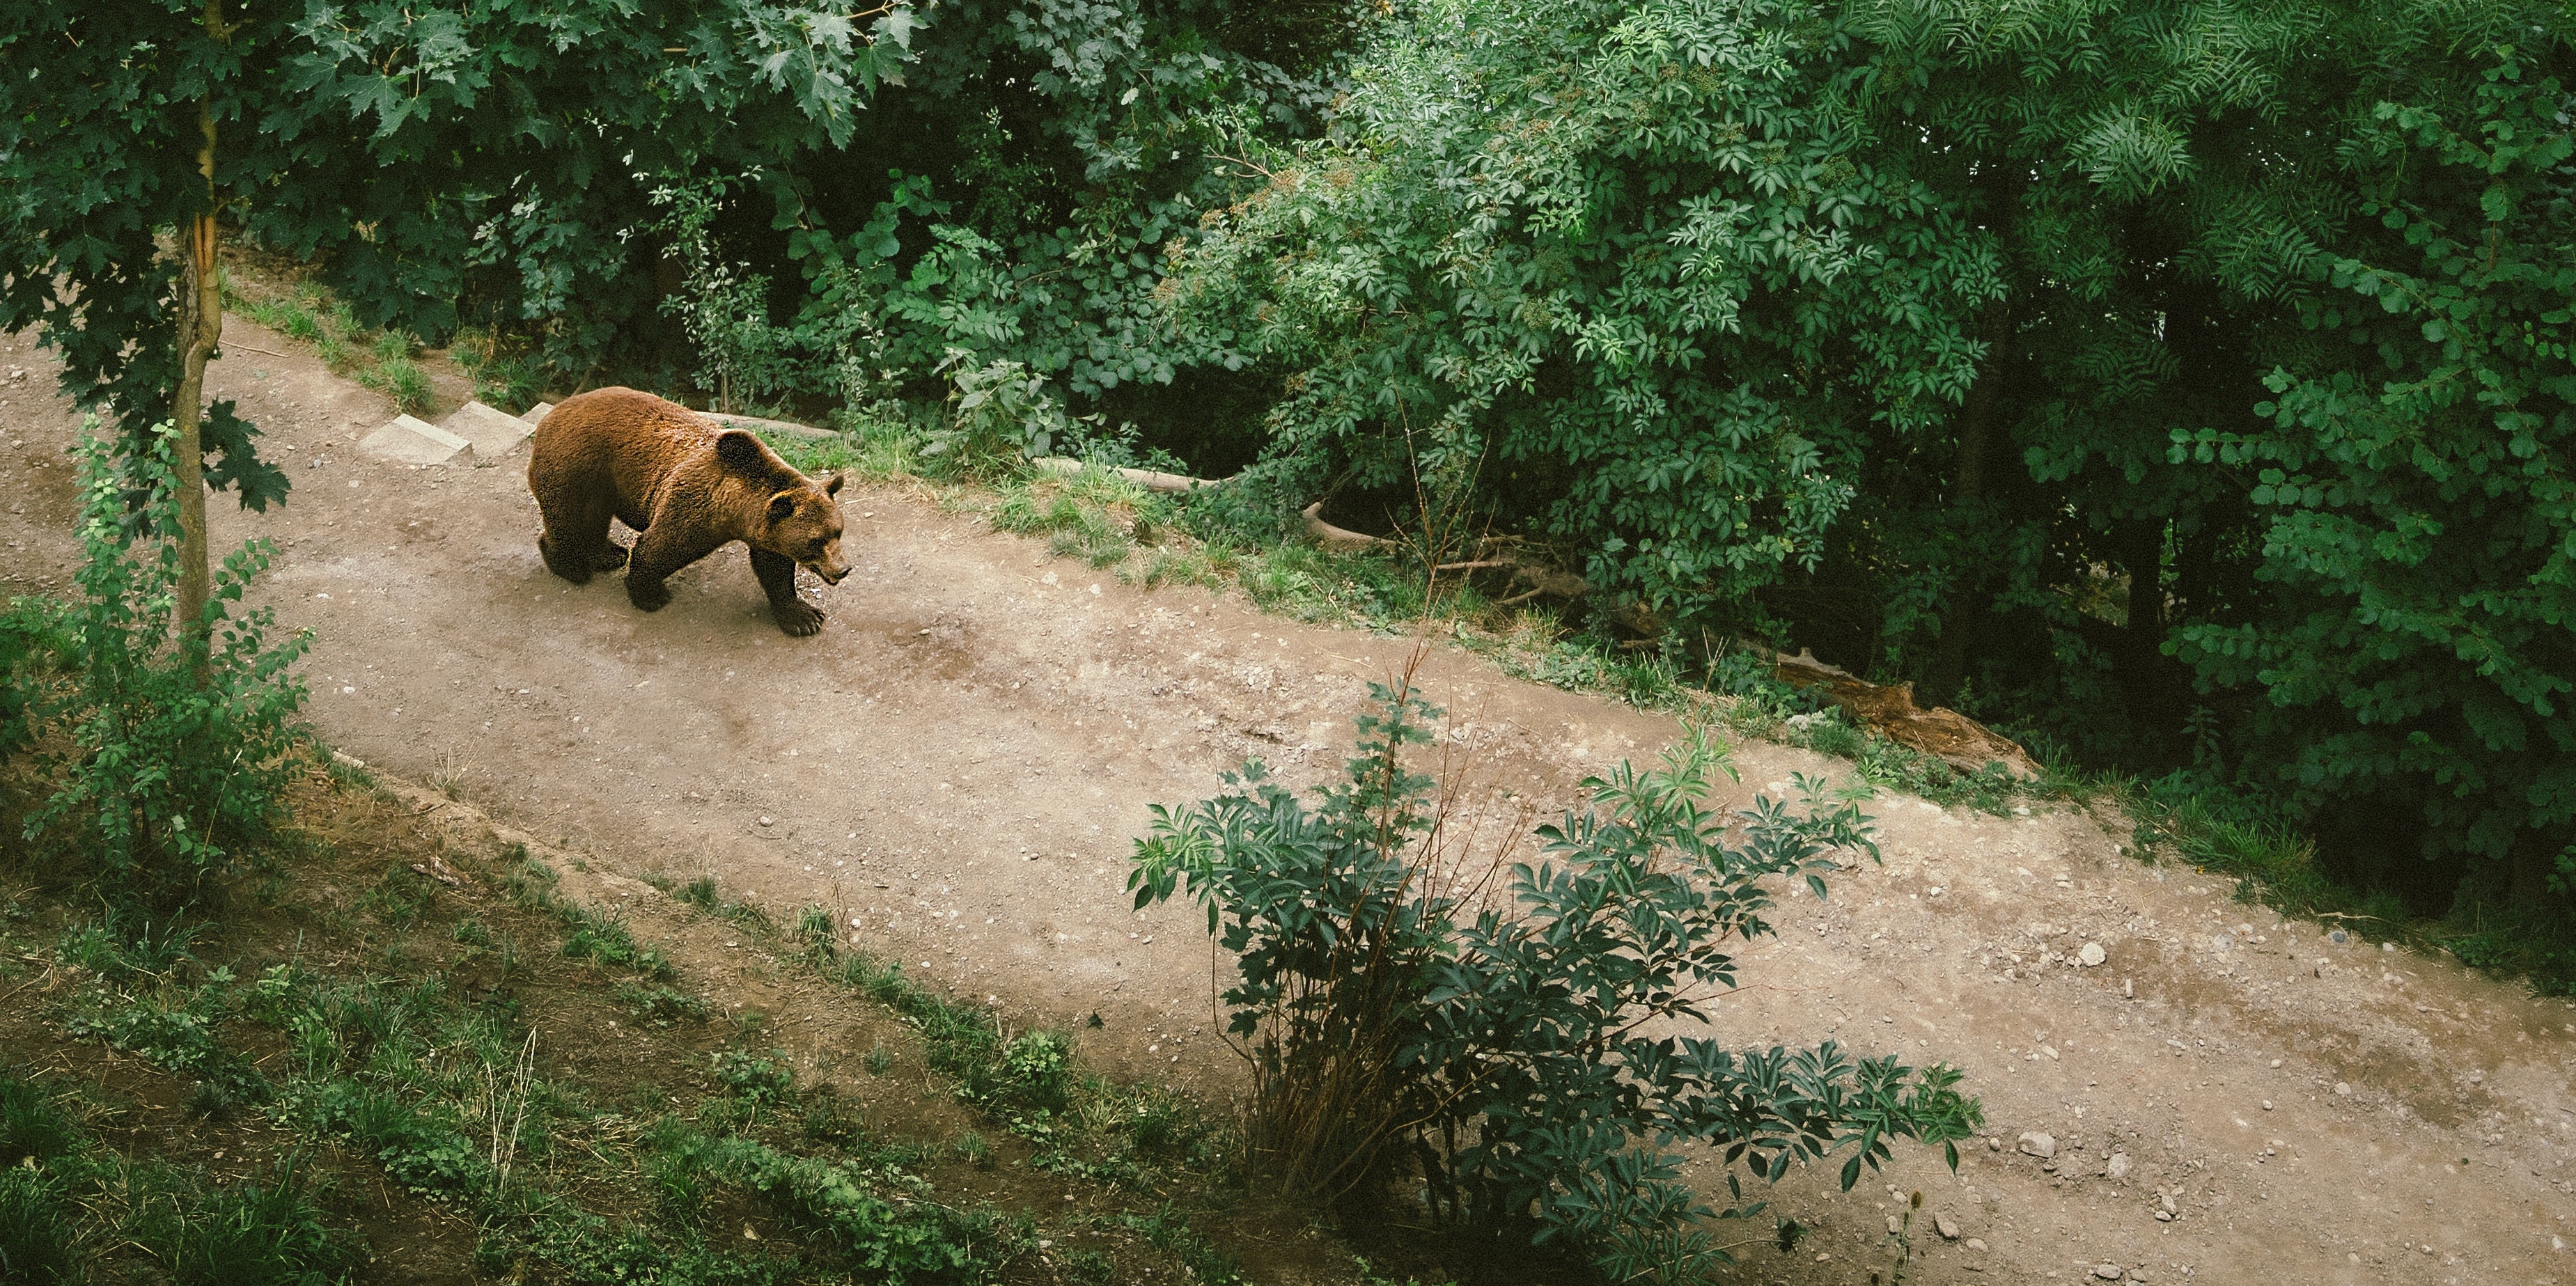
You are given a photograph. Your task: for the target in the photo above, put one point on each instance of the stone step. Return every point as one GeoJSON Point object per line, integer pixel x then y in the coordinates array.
{"type": "Point", "coordinates": [413, 441]}
{"type": "Point", "coordinates": [494, 433]}
{"type": "Point", "coordinates": [537, 414]}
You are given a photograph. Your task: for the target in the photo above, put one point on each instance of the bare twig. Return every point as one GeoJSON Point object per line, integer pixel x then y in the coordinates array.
{"type": "Point", "coordinates": [249, 348]}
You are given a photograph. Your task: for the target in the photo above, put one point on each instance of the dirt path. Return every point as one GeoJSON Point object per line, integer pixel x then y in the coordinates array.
{"type": "Point", "coordinates": [958, 763]}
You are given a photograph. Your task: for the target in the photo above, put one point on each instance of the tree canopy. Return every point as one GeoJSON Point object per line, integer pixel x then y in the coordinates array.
{"type": "Point", "coordinates": [401, 147]}
{"type": "Point", "coordinates": [2186, 380]}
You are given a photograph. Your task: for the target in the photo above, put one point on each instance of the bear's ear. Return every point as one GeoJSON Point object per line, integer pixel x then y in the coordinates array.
{"type": "Point", "coordinates": [782, 506]}
{"type": "Point", "coordinates": [741, 452]}
{"type": "Point", "coordinates": [832, 485]}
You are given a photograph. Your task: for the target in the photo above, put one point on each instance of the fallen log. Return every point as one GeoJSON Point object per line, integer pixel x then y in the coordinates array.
{"type": "Point", "coordinates": [1332, 537]}
{"type": "Point", "coordinates": [1954, 738]}
{"type": "Point", "coordinates": [757, 424]}
{"type": "Point", "coordinates": [1149, 479]}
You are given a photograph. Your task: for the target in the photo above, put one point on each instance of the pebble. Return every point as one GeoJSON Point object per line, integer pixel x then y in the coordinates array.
{"type": "Point", "coordinates": [2338, 937]}
{"type": "Point", "coordinates": [2344, 1088]}
{"type": "Point", "coordinates": [2037, 1144]}
{"type": "Point", "coordinates": [1946, 1226]}
{"type": "Point", "coordinates": [1975, 1243]}
{"type": "Point", "coordinates": [2109, 1272]}
{"type": "Point", "coordinates": [2092, 954]}
{"type": "Point", "coordinates": [2117, 1167]}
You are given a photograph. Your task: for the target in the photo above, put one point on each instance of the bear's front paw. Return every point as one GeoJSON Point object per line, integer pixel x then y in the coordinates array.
{"type": "Point", "coordinates": [650, 595]}
{"type": "Point", "coordinates": [799, 618]}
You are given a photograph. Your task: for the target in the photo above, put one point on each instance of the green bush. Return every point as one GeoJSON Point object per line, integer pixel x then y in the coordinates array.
{"type": "Point", "coordinates": [1496, 1051]}
{"type": "Point", "coordinates": [2218, 388]}
{"type": "Point", "coordinates": [178, 747]}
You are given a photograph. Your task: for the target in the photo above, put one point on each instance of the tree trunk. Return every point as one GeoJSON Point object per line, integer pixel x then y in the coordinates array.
{"type": "Point", "coordinates": [1968, 486]}
{"type": "Point", "coordinates": [2145, 671]}
{"type": "Point", "coordinates": [201, 326]}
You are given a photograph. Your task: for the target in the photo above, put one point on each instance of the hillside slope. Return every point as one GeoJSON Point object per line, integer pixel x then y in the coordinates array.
{"type": "Point", "coordinates": [958, 763]}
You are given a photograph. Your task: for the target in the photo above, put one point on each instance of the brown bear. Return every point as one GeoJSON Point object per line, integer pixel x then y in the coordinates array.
{"type": "Point", "coordinates": [688, 489]}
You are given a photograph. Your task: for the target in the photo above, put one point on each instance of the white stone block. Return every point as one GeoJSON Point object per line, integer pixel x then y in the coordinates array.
{"type": "Point", "coordinates": [413, 441]}
{"type": "Point", "coordinates": [493, 433]}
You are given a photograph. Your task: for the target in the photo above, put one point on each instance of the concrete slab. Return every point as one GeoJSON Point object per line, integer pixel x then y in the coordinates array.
{"type": "Point", "coordinates": [493, 432]}
{"type": "Point", "coordinates": [413, 441]}
{"type": "Point", "coordinates": [537, 414]}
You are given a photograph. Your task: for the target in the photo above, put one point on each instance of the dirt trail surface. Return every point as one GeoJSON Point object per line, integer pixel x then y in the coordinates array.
{"type": "Point", "coordinates": [957, 766]}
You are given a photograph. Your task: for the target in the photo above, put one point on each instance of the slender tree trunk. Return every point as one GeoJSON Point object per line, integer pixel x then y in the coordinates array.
{"type": "Point", "coordinates": [1968, 486]}
{"type": "Point", "coordinates": [2144, 668]}
{"type": "Point", "coordinates": [201, 327]}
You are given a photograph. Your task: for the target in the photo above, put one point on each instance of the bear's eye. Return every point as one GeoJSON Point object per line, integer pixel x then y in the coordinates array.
{"type": "Point", "coordinates": [814, 550]}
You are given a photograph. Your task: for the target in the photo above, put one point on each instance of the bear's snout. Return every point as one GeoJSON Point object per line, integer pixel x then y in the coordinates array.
{"type": "Point", "coordinates": [830, 567]}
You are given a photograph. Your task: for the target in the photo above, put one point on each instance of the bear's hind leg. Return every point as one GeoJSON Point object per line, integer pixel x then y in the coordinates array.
{"type": "Point", "coordinates": [656, 555]}
{"type": "Point", "coordinates": [575, 544]}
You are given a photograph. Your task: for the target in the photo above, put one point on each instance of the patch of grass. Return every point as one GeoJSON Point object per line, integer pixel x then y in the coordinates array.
{"type": "Point", "coordinates": [34, 1125]}
{"type": "Point", "coordinates": [872, 448]}
{"type": "Point", "coordinates": [36, 1231]}
{"type": "Point", "coordinates": [605, 938]}
{"type": "Point", "coordinates": [382, 361]}
{"type": "Point", "coordinates": [399, 899]}
{"type": "Point", "coordinates": [260, 1230]}
{"type": "Point", "coordinates": [1168, 1230]}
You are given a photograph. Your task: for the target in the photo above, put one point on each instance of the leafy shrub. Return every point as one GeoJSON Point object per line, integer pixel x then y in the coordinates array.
{"type": "Point", "coordinates": [1404, 1024]}
{"type": "Point", "coordinates": [757, 1081]}
{"type": "Point", "coordinates": [999, 415]}
{"type": "Point", "coordinates": [179, 745]}
{"type": "Point", "coordinates": [722, 306]}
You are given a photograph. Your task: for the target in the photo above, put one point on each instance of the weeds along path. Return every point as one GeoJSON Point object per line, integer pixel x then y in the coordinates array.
{"type": "Point", "coordinates": [957, 765]}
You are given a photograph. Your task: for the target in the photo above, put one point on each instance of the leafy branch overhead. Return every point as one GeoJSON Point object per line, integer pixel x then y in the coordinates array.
{"type": "Point", "coordinates": [411, 151]}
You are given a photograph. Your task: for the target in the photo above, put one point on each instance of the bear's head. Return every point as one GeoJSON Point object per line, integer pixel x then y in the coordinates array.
{"type": "Point", "coordinates": [802, 521]}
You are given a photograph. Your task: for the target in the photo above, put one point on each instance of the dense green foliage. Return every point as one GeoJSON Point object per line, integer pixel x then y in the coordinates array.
{"type": "Point", "coordinates": [170, 750]}
{"type": "Point", "coordinates": [2185, 383]}
{"type": "Point", "coordinates": [485, 159]}
{"type": "Point", "coordinates": [1502, 1036]}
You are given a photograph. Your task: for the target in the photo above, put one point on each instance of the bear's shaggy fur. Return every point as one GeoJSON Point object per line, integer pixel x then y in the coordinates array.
{"type": "Point", "coordinates": [688, 489]}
